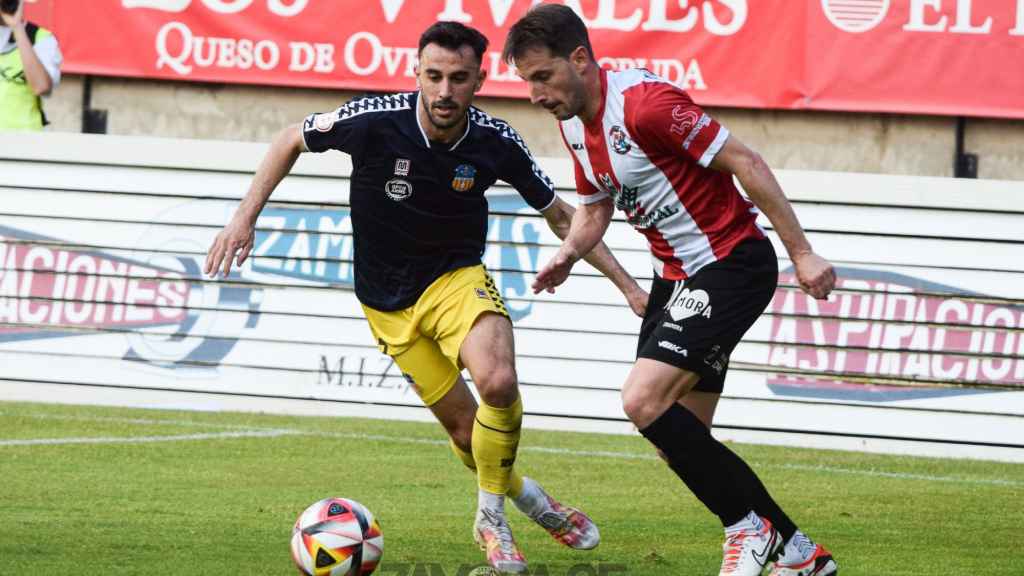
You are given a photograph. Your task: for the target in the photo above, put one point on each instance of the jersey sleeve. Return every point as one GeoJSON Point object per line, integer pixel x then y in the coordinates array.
{"type": "Point", "coordinates": [48, 51]}
{"type": "Point", "coordinates": [521, 171]}
{"type": "Point", "coordinates": [586, 192]}
{"type": "Point", "coordinates": [666, 120]}
{"type": "Point", "coordinates": [339, 130]}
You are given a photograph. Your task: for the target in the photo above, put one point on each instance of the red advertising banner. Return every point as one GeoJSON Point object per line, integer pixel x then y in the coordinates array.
{"type": "Point", "coordinates": [957, 57]}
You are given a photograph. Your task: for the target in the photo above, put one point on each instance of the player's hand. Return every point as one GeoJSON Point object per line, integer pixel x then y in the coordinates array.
{"type": "Point", "coordinates": [555, 272]}
{"type": "Point", "coordinates": [638, 301]}
{"type": "Point", "coordinates": [16, 19]}
{"type": "Point", "coordinates": [815, 274]}
{"type": "Point", "coordinates": [234, 242]}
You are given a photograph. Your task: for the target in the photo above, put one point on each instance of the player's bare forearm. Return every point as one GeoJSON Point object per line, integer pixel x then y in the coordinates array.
{"type": "Point", "coordinates": [815, 275]}
{"type": "Point", "coordinates": [235, 242]}
{"type": "Point", "coordinates": [560, 217]}
{"type": "Point", "coordinates": [588, 225]}
{"type": "Point", "coordinates": [276, 164]}
{"type": "Point", "coordinates": [764, 191]}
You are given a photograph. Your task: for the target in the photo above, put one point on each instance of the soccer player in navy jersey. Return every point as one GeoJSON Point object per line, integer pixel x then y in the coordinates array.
{"type": "Point", "coordinates": [421, 163]}
{"type": "Point", "coordinates": [641, 145]}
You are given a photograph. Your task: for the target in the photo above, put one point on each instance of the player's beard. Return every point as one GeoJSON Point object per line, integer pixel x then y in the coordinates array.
{"type": "Point", "coordinates": [573, 107]}
{"type": "Point", "coordinates": [441, 123]}
{"type": "Point", "coordinates": [575, 100]}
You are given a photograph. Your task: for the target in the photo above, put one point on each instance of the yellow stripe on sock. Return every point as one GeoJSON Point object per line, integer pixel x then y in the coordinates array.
{"type": "Point", "coordinates": [515, 484]}
{"type": "Point", "coordinates": [495, 442]}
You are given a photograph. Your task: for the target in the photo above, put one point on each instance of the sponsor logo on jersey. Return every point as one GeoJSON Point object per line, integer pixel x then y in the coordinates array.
{"type": "Point", "coordinates": [673, 347]}
{"type": "Point", "coordinates": [682, 121]}
{"type": "Point", "coordinates": [402, 166]}
{"type": "Point", "coordinates": [465, 176]}
{"type": "Point", "coordinates": [398, 189]}
{"type": "Point", "coordinates": [577, 146]}
{"type": "Point", "coordinates": [620, 143]}
{"type": "Point", "coordinates": [703, 123]}
{"type": "Point", "coordinates": [672, 326]}
{"type": "Point", "coordinates": [324, 122]}
{"type": "Point", "coordinates": [687, 303]}
{"type": "Point", "coordinates": [482, 294]}
{"type": "Point", "coordinates": [627, 199]}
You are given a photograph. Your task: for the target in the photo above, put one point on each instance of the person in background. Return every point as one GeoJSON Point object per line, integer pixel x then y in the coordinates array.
{"type": "Point", "coordinates": [30, 62]}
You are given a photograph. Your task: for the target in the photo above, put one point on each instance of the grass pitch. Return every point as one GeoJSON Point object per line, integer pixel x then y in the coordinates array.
{"type": "Point", "coordinates": [104, 491]}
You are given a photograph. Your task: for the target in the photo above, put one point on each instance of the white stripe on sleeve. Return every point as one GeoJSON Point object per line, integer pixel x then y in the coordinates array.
{"type": "Point", "coordinates": [716, 145]}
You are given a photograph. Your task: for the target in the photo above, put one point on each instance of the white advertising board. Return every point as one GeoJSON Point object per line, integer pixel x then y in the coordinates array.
{"type": "Point", "coordinates": [102, 240]}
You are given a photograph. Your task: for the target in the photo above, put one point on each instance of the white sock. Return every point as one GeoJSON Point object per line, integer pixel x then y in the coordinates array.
{"type": "Point", "coordinates": [799, 547]}
{"type": "Point", "coordinates": [749, 522]}
{"type": "Point", "coordinates": [490, 501]}
{"type": "Point", "coordinates": [531, 501]}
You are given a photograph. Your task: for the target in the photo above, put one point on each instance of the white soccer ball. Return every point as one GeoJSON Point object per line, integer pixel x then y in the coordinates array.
{"type": "Point", "coordinates": [337, 537]}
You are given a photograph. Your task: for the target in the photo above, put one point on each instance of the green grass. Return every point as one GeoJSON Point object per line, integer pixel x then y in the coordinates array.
{"type": "Point", "coordinates": [222, 505]}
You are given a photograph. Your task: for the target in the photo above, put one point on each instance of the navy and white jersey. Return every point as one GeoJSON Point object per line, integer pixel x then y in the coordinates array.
{"type": "Point", "coordinates": [418, 207]}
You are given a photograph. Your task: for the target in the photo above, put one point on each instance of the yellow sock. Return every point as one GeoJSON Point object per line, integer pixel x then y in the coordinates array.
{"type": "Point", "coordinates": [495, 442]}
{"type": "Point", "coordinates": [515, 481]}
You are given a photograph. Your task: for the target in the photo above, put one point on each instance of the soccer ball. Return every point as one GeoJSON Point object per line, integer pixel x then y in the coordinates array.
{"type": "Point", "coordinates": [337, 537]}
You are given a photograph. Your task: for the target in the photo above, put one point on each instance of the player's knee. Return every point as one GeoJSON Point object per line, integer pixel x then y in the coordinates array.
{"type": "Point", "coordinates": [638, 406]}
{"type": "Point", "coordinates": [498, 387]}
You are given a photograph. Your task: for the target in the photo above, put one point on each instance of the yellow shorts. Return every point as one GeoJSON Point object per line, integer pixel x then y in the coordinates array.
{"type": "Point", "coordinates": [425, 338]}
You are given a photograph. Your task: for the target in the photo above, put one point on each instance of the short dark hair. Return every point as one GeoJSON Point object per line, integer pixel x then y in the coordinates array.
{"type": "Point", "coordinates": [553, 26]}
{"type": "Point", "coordinates": [9, 6]}
{"type": "Point", "coordinates": [454, 35]}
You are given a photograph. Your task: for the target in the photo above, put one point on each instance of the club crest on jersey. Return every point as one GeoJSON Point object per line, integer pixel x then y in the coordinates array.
{"type": "Point", "coordinates": [620, 143]}
{"type": "Point", "coordinates": [402, 166]}
{"type": "Point", "coordinates": [465, 176]}
{"type": "Point", "coordinates": [398, 189]}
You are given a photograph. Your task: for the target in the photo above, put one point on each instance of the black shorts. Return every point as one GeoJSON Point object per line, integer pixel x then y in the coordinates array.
{"type": "Point", "coordinates": [695, 324]}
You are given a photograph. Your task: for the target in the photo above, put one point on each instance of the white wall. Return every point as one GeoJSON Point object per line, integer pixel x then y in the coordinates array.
{"type": "Point", "coordinates": [916, 145]}
{"type": "Point", "coordinates": [921, 349]}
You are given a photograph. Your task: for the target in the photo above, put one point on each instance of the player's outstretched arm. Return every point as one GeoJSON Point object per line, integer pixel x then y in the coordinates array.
{"type": "Point", "coordinates": [559, 217]}
{"type": "Point", "coordinates": [814, 273]}
{"type": "Point", "coordinates": [588, 226]}
{"type": "Point", "coordinates": [235, 241]}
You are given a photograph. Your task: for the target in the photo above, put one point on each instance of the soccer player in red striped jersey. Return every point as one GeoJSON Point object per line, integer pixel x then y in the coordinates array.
{"type": "Point", "coordinates": [640, 144]}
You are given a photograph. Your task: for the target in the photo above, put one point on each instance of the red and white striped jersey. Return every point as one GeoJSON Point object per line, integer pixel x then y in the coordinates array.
{"type": "Point", "coordinates": [649, 148]}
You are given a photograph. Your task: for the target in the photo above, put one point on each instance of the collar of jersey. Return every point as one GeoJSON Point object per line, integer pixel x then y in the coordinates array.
{"type": "Point", "coordinates": [426, 141]}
